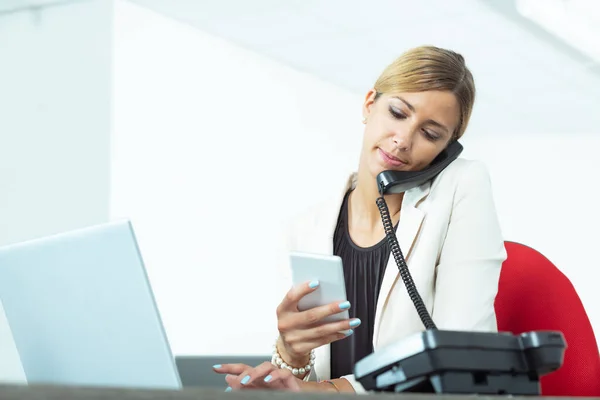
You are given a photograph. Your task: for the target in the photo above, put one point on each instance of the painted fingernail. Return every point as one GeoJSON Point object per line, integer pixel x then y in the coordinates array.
{"type": "Point", "coordinates": [313, 284]}
{"type": "Point", "coordinates": [348, 332]}
{"type": "Point", "coordinates": [354, 323]}
{"type": "Point", "coordinates": [217, 366]}
{"type": "Point", "coordinates": [245, 380]}
{"type": "Point", "coordinates": [345, 305]}
{"type": "Point", "coordinates": [228, 389]}
{"type": "Point", "coordinates": [268, 378]}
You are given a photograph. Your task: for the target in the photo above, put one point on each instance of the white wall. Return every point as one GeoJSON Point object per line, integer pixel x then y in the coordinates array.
{"type": "Point", "coordinates": [54, 119]}
{"type": "Point", "coordinates": [193, 113]}
{"type": "Point", "coordinates": [54, 128]}
{"type": "Point", "coordinates": [193, 117]}
{"type": "Point", "coordinates": [546, 198]}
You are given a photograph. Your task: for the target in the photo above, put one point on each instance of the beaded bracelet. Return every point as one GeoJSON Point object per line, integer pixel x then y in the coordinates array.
{"type": "Point", "coordinates": [279, 362]}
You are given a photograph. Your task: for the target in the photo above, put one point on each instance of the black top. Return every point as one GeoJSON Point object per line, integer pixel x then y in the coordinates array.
{"type": "Point", "coordinates": [363, 272]}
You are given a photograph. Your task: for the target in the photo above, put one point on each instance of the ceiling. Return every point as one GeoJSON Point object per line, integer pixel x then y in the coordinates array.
{"type": "Point", "coordinates": [8, 6]}
{"type": "Point", "coordinates": [527, 80]}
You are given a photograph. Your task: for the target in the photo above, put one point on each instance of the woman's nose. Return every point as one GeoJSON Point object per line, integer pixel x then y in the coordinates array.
{"type": "Point", "coordinates": [403, 139]}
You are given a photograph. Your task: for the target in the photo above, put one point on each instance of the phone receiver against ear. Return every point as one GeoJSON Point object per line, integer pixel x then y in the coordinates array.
{"type": "Point", "coordinates": [392, 182]}
{"type": "Point", "coordinates": [398, 182]}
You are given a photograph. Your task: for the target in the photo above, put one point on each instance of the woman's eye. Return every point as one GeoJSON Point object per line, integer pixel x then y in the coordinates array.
{"type": "Point", "coordinates": [430, 135]}
{"type": "Point", "coordinates": [397, 113]}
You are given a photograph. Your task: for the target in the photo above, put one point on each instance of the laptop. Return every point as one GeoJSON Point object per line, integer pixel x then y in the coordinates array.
{"type": "Point", "coordinates": [11, 370]}
{"type": "Point", "coordinates": [81, 311]}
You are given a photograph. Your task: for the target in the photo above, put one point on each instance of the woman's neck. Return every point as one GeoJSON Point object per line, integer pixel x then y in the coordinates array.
{"type": "Point", "coordinates": [362, 206]}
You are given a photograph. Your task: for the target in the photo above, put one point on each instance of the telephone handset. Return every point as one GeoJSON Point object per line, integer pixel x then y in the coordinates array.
{"type": "Point", "coordinates": [452, 361]}
{"type": "Point", "coordinates": [401, 181]}
{"type": "Point", "coordinates": [390, 182]}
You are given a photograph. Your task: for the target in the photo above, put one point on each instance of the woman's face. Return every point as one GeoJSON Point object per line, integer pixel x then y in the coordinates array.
{"type": "Point", "coordinates": [406, 131]}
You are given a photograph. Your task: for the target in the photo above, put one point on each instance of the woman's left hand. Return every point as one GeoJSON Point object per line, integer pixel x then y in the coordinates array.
{"type": "Point", "coordinates": [264, 376]}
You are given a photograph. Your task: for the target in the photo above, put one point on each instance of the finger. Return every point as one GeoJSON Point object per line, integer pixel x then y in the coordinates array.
{"type": "Point", "coordinates": [234, 369]}
{"type": "Point", "coordinates": [246, 379]}
{"type": "Point", "coordinates": [325, 329]}
{"type": "Point", "coordinates": [256, 375]}
{"type": "Point", "coordinates": [235, 382]}
{"type": "Point", "coordinates": [311, 317]}
{"type": "Point", "coordinates": [302, 341]}
{"type": "Point", "coordinates": [293, 296]}
{"type": "Point", "coordinates": [316, 315]}
{"type": "Point", "coordinates": [282, 379]}
{"type": "Point", "coordinates": [310, 342]}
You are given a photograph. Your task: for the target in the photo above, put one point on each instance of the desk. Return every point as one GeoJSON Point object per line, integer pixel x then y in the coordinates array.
{"type": "Point", "coordinates": [77, 393]}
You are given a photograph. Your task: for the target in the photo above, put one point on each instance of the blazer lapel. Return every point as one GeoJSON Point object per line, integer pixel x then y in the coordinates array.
{"type": "Point", "coordinates": [321, 241]}
{"type": "Point", "coordinates": [409, 224]}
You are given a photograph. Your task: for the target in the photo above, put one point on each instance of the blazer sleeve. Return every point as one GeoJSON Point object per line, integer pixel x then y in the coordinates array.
{"type": "Point", "coordinates": [472, 254]}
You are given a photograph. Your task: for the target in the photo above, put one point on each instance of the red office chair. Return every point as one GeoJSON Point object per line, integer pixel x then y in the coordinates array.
{"type": "Point", "coordinates": [534, 295]}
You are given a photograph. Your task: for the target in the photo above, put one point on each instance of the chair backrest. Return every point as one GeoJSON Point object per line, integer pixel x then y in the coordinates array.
{"type": "Point", "coordinates": [534, 295]}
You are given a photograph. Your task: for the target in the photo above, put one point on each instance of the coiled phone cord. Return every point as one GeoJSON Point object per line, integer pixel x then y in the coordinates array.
{"type": "Point", "coordinates": [402, 267]}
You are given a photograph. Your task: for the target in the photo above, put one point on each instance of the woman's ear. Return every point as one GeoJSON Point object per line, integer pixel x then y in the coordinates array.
{"type": "Point", "coordinates": [368, 104]}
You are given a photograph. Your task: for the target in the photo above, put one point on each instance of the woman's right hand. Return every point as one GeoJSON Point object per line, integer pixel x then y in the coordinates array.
{"type": "Point", "coordinates": [300, 332]}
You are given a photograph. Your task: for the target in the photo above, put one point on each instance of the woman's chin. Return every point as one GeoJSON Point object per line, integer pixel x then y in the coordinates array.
{"type": "Point", "coordinates": [376, 170]}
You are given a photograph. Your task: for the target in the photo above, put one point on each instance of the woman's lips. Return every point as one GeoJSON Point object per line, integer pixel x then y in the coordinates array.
{"type": "Point", "coordinates": [390, 159]}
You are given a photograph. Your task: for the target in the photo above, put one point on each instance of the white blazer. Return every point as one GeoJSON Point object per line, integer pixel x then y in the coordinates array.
{"type": "Point", "coordinates": [450, 237]}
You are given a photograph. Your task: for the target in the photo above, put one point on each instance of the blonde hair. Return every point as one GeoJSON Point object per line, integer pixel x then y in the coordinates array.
{"type": "Point", "coordinates": [431, 68]}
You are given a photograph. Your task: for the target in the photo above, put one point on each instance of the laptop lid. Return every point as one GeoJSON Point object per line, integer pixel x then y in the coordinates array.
{"type": "Point", "coordinates": [11, 370]}
{"type": "Point", "coordinates": [82, 312]}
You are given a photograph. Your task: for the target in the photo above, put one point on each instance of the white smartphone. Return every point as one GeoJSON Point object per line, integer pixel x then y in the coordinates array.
{"type": "Point", "coordinates": [326, 269]}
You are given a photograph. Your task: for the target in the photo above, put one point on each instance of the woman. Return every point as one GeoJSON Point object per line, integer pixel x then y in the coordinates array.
{"type": "Point", "coordinates": [447, 229]}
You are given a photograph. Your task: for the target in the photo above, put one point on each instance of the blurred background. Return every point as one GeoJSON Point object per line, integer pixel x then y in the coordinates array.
{"type": "Point", "coordinates": [210, 123]}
